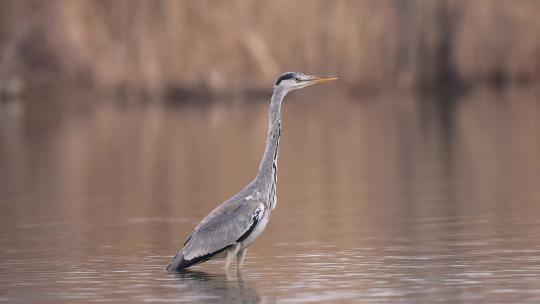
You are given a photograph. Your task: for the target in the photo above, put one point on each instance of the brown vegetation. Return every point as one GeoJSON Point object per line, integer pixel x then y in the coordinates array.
{"type": "Point", "coordinates": [152, 47]}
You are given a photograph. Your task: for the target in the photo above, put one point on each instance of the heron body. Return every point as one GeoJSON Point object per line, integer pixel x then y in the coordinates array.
{"type": "Point", "coordinates": [232, 226]}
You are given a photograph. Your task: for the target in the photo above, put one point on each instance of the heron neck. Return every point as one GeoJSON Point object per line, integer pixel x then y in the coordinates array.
{"type": "Point", "coordinates": [267, 175]}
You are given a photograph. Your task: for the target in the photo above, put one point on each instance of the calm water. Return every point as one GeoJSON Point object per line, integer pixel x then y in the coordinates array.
{"type": "Point", "coordinates": [386, 199]}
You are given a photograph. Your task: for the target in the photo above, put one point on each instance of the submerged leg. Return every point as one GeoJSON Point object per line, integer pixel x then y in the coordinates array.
{"type": "Point", "coordinates": [240, 257]}
{"type": "Point", "coordinates": [231, 253]}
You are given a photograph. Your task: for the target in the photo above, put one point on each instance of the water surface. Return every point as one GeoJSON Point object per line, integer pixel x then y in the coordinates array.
{"type": "Point", "coordinates": [381, 199]}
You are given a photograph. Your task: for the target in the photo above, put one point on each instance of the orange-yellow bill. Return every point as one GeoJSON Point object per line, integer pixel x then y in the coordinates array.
{"type": "Point", "coordinates": [319, 79]}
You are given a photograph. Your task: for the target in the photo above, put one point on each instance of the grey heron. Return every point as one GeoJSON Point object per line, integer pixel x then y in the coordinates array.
{"type": "Point", "coordinates": [231, 227]}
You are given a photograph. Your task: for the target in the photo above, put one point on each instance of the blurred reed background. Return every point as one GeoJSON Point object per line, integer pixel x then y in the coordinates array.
{"type": "Point", "coordinates": [179, 49]}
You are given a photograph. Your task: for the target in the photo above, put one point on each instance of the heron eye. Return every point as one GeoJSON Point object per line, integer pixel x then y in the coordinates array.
{"type": "Point", "coordinates": [297, 79]}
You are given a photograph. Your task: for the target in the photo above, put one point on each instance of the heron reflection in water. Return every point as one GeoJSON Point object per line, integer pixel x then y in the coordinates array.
{"type": "Point", "coordinates": [230, 228]}
{"type": "Point", "coordinates": [216, 288]}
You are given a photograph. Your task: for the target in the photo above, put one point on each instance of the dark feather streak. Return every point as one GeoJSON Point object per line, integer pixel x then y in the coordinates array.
{"type": "Point", "coordinates": [285, 76]}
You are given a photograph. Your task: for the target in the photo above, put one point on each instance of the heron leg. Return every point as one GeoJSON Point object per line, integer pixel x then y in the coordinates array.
{"type": "Point", "coordinates": [240, 257]}
{"type": "Point", "coordinates": [231, 253]}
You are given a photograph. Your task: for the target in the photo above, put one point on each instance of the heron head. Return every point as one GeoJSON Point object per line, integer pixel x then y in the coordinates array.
{"type": "Point", "coordinates": [291, 81]}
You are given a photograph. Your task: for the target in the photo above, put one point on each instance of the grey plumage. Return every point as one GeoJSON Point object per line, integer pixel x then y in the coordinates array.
{"type": "Point", "coordinates": [231, 227]}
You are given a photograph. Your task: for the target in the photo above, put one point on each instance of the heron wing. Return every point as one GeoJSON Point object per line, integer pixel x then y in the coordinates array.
{"type": "Point", "coordinates": [228, 224]}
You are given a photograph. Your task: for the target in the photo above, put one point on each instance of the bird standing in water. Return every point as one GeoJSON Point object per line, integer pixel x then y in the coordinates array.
{"type": "Point", "coordinates": [230, 228]}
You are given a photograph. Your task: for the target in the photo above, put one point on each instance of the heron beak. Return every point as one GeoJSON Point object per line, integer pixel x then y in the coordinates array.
{"type": "Point", "coordinates": [319, 79]}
